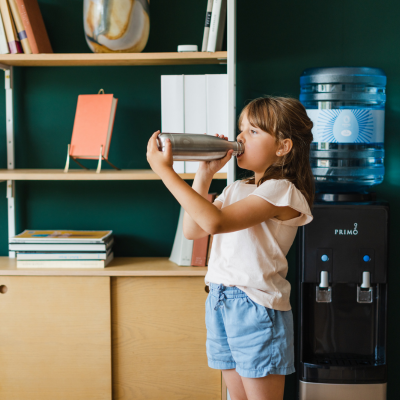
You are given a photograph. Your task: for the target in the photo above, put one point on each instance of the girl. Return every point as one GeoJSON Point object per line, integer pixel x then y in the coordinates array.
{"type": "Point", "coordinates": [254, 222]}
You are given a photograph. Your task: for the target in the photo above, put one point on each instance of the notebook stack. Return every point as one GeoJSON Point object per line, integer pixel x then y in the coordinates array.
{"type": "Point", "coordinates": [63, 249]}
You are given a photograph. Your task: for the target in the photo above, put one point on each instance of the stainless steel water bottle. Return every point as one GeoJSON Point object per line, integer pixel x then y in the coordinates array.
{"type": "Point", "coordinates": [198, 147]}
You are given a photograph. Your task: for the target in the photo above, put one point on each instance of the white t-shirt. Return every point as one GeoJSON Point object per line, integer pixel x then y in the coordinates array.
{"type": "Point", "coordinates": [254, 259]}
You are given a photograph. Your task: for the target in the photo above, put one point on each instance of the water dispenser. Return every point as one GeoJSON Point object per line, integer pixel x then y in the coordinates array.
{"type": "Point", "coordinates": [343, 302]}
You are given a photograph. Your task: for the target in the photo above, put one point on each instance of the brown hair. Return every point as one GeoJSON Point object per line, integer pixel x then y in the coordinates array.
{"type": "Point", "coordinates": [285, 118]}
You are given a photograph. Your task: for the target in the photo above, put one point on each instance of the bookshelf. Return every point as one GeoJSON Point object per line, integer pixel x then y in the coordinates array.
{"type": "Point", "coordinates": [9, 61]}
{"type": "Point", "coordinates": [83, 175]}
{"type": "Point", "coordinates": [111, 59]}
{"type": "Point", "coordinates": [121, 266]}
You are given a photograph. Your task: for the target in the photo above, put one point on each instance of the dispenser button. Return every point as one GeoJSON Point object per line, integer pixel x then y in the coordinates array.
{"type": "Point", "coordinates": [366, 258]}
{"type": "Point", "coordinates": [326, 258]}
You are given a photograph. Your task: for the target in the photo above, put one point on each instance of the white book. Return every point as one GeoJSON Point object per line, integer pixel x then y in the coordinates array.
{"type": "Point", "coordinates": [195, 111]}
{"type": "Point", "coordinates": [217, 106]}
{"type": "Point", "coordinates": [207, 25]}
{"type": "Point", "coordinates": [182, 249]}
{"type": "Point", "coordinates": [172, 109]}
{"type": "Point", "coordinates": [217, 26]}
{"type": "Point", "coordinates": [65, 263]}
{"type": "Point", "coordinates": [3, 39]}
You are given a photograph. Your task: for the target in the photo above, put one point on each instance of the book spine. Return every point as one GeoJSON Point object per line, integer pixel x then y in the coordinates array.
{"type": "Point", "coordinates": [199, 254]}
{"type": "Point", "coordinates": [34, 26]}
{"type": "Point", "coordinates": [60, 264]}
{"type": "Point", "coordinates": [61, 256]}
{"type": "Point", "coordinates": [207, 25]}
{"type": "Point", "coordinates": [172, 109]}
{"type": "Point", "coordinates": [3, 39]}
{"type": "Point", "coordinates": [13, 42]}
{"type": "Point", "coordinates": [221, 26]}
{"type": "Point", "coordinates": [209, 248]}
{"type": "Point", "coordinates": [20, 27]}
{"type": "Point", "coordinates": [195, 111]}
{"type": "Point", "coordinates": [65, 263]}
{"type": "Point", "coordinates": [200, 246]}
{"type": "Point", "coordinates": [212, 37]}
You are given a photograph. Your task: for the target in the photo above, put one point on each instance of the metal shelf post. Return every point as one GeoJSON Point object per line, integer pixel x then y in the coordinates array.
{"type": "Point", "coordinates": [8, 85]}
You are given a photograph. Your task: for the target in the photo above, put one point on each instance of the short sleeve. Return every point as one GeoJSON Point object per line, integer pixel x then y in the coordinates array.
{"type": "Point", "coordinates": [221, 197]}
{"type": "Point", "coordinates": [282, 193]}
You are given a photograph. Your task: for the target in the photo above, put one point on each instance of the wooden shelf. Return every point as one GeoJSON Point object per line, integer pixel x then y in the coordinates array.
{"type": "Point", "coordinates": [83, 175]}
{"type": "Point", "coordinates": [112, 59]}
{"type": "Point", "coordinates": [120, 266]}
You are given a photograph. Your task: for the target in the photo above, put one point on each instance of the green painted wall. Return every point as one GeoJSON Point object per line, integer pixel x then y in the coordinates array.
{"type": "Point", "coordinates": [276, 41]}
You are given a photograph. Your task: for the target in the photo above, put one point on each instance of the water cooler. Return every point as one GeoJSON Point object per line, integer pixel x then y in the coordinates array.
{"type": "Point", "coordinates": [342, 260]}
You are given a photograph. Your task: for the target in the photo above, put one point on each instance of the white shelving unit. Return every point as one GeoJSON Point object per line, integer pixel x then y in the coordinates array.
{"type": "Point", "coordinates": [8, 61]}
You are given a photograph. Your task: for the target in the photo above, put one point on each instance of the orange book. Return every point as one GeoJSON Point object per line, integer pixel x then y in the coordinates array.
{"type": "Point", "coordinates": [93, 125]}
{"type": "Point", "coordinates": [34, 26]}
{"type": "Point", "coordinates": [200, 246]}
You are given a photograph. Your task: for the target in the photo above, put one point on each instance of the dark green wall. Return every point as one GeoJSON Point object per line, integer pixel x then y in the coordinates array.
{"type": "Point", "coordinates": [276, 41]}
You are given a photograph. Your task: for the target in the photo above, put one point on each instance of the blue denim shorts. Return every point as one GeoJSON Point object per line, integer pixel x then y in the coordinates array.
{"type": "Point", "coordinates": [245, 335]}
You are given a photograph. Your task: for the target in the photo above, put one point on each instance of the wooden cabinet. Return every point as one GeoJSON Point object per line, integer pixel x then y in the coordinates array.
{"type": "Point", "coordinates": [55, 340]}
{"type": "Point", "coordinates": [159, 340]}
{"type": "Point", "coordinates": [134, 330]}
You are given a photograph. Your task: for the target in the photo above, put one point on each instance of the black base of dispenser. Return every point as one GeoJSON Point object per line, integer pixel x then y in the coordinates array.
{"type": "Point", "coordinates": [342, 337]}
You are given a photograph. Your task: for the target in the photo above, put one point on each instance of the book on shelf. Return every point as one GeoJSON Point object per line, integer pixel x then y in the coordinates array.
{"type": "Point", "coordinates": [187, 252]}
{"type": "Point", "coordinates": [65, 263]}
{"type": "Point", "coordinates": [195, 110]}
{"type": "Point", "coordinates": [207, 25]}
{"type": "Point", "coordinates": [200, 246]}
{"type": "Point", "coordinates": [96, 247]}
{"type": "Point", "coordinates": [172, 109]}
{"type": "Point", "coordinates": [62, 241]}
{"type": "Point", "coordinates": [209, 248]}
{"type": "Point", "coordinates": [182, 249]}
{"type": "Point", "coordinates": [3, 39]}
{"type": "Point", "coordinates": [93, 126]}
{"type": "Point", "coordinates": [217, 26]}
{"type": "Point", "coordinates": [57, 255]}
{"type": "Point", "coordinates": [61, 236]}
{"type": "Point", "coordinates": [14, 44]}
{"type": "Point", "coordinates": [23, 38]}
{"type": "Point", "coordinates": [194, 104]}
{"type": "Point", "coordinates": [34, 26]}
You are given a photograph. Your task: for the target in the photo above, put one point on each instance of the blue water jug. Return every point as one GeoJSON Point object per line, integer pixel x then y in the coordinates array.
{"type": "Point", "coordinates": [347, 107]}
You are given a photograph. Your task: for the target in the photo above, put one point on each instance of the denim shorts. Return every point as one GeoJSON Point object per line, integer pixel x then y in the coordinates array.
{"type": "Point", "coordinates": [245, 335]}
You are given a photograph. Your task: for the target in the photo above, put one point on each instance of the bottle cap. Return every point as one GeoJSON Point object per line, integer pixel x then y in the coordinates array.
{"type": "Point", "coordinates": [187, 47]}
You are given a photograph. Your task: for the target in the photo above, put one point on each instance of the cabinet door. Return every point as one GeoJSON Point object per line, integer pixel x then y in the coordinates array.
{"type": "Point", "coordinates": [55, 338]}
{"type": "Point", "coordinates": [159, 340]}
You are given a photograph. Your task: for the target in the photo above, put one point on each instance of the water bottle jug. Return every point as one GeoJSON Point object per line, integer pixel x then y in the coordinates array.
{"type": "Point", "coordinates": [347, 107]}
{"type": "Point", "coordinates": [198, 147]}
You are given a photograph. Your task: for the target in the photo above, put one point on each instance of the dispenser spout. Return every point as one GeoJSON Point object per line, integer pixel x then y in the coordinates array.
{"type": "Point", "coordinates": [366, 280]}
{"type": "Point", "coordinates": [324, 284]}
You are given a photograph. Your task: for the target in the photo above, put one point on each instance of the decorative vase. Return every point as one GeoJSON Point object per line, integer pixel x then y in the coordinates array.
{"type": "Point", "coordinates": [116, 26]}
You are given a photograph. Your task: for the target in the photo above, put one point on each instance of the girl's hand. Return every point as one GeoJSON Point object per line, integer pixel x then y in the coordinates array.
{"type": "Point", "coordinates": [212, 167]}
{"type": "Point", "coordinates": [159, 160]}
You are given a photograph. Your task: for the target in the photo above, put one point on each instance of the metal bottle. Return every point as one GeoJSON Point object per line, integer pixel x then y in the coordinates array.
{"type": "Point", "coordinates": [198, 147]}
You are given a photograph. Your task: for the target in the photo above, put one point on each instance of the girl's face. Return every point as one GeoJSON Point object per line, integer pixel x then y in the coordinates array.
{"type": "Point", "coordinates": [260, 148]}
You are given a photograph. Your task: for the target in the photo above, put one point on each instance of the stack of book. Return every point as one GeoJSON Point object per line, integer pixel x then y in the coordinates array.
{"type": "Point", "coordinates": [214, 26]}
{"type": "Point", "coordinates": [195, 253]}
{"type": "Point", "coordinates": [22, 29]}
{"type": "Point", "coordinates": [63, 249]}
